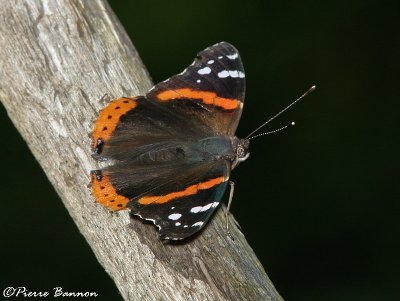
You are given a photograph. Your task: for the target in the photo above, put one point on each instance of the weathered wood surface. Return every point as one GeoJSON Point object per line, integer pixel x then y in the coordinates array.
{"type": "Point", "coordinates": [57, 59]}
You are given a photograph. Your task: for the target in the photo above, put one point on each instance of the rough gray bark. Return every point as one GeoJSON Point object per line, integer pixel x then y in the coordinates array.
{"type": "Point", "coordinates": [57, 59]}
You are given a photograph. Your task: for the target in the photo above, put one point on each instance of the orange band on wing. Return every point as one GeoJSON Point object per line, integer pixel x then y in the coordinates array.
{"type": "Point", "coordinates": [191, 190]}
{"type": "Point", "coordinates": [209, 98]}
{"type": "Point", "coordinates": [109, 118]}
{"type": "Point", "coordinates": [105, 193]}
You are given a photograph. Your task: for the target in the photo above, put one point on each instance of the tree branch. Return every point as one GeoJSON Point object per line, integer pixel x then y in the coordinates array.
{"type": "Point", "coordinates": [57, 59]}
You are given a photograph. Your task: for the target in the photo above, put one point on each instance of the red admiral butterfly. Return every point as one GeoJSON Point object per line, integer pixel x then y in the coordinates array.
{"type": "Point", "coordinates": [174, 148]}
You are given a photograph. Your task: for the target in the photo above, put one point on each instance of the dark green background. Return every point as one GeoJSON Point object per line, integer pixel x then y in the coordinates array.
{"type": "Point", "coordinates": [319, 203]}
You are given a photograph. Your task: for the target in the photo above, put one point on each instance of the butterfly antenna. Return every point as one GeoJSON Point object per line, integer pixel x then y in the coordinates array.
{"type": "Point", "coordinates": [272, 132]}
{"type": "Point", "coordinates": [276, 115]}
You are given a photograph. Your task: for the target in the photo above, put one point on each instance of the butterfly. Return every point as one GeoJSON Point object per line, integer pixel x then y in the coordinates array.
{"type": "Point", "coordinates": [173, 149]}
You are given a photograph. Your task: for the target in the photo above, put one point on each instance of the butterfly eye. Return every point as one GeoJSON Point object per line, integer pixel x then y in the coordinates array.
{"type": "Point", "coordinates": [240, 152]}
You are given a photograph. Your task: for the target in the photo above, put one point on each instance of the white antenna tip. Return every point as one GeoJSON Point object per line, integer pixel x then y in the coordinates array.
{"type": "Point", "coordinates": [292, 123]}
{"type": "Point", "coordinates": [249, 136]}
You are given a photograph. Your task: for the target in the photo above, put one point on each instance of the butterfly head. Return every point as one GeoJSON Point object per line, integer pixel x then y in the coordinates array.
{"type": "Point", "coordinates": [242, 152]}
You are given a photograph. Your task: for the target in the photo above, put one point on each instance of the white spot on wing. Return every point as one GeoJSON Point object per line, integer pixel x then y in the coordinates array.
{"type": "Point", "coordinates": [205, 70]}
{"type": "Point", "coordinates": [206, 207]}
{"type": "Point", "coordinates": [198, 81]}
{"type": "Point", "coordinates": [231, 73]}
{"type": "Point", "coordinates": [210, 62]}
{"type": "Point", "coordinates": [177, 224]}
{"type": "Point", "coordinates": [223, 74]}
{"type": "Point", "coordinates": [233, 56]}
{"type": "Point", "coordinates": [196, 209]}
{"type": "Point", "coordinates": [174, 216]}
{"type": "Point", "coordinates": [215, 204]}
{"type": "Point", "coordinates": [234, 73]}
{"type": "Point", "coordinates": [198, 224]}
{"type": "Point", "coordinates": [220, 57]}
{"type": "Point", "coordinates": [149, 219]}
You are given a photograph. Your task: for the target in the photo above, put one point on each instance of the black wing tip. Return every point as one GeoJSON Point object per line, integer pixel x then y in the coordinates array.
{"type": "Point", "coordinates": [171, 239]}
{"type": "Point", "coordinates": [225, 45]}
{"type": "Point", "coordinates": [166, 236]}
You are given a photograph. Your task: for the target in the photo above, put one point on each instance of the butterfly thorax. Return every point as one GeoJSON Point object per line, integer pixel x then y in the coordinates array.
{"type": "Point", "coordinates": [228, 148]}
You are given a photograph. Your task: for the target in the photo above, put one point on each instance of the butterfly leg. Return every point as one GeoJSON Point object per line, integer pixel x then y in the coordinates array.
{"type": "Point", "coordinates": [231, 191]}
{"type": "Point", "coordinates": [105, 99]}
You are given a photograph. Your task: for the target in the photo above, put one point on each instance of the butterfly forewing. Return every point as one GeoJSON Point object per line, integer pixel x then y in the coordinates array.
{"type": "Point", "coordinates": [186, 207]}
{"type": "Point", "coordinates": [211, 90]}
